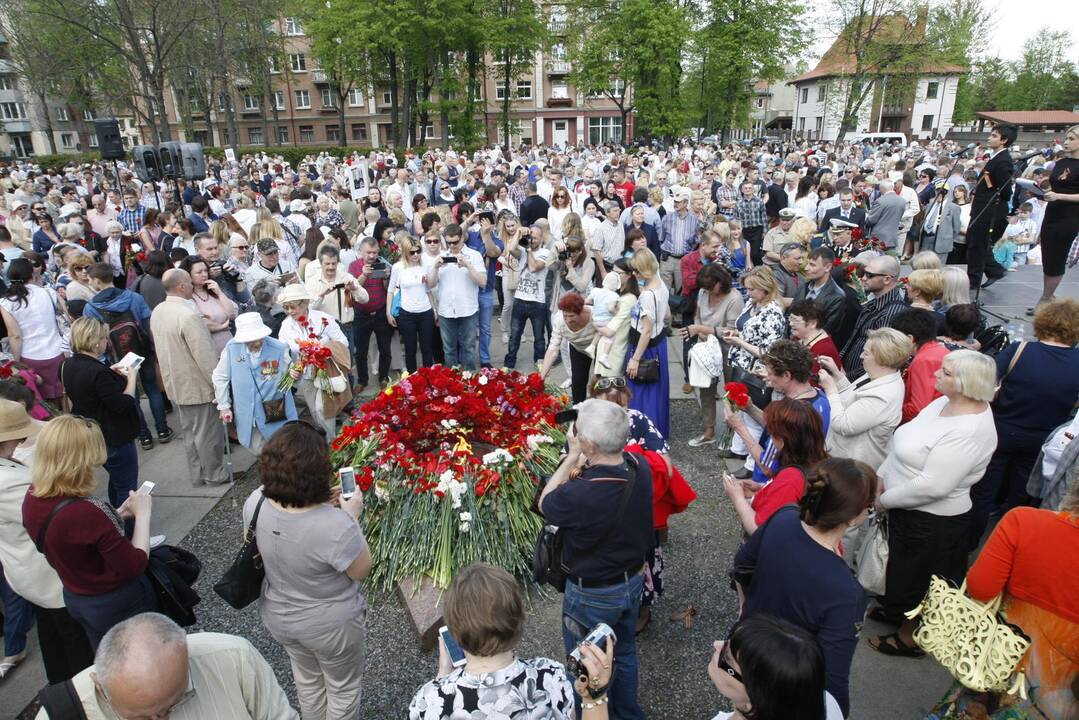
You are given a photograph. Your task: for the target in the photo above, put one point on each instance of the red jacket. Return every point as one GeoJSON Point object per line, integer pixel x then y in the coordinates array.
{"type": "Point", "coordinates": [921, 381]}
{"type": "Point", "coordinates": [671, 494]}
{"type": "Point", "coordinates": [690, 265]}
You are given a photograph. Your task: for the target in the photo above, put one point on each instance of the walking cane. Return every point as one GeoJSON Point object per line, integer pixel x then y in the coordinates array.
{"type": "Point", "coordinates": [228, 451]}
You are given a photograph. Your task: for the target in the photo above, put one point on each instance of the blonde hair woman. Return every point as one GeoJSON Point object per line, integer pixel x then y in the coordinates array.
{"type": "Point", "coordinates": [924, 287]}
{"type": "Point", "coordinates": [761, 323]}
{"type": "Point", "coordinates": [103, 573]}
{"type": "Point", "coordinates": [956, 287]}
{"type": "Point", "coordinates": [926, 260]}
{"type": "Point", "coordinates": [509, 231]}
{"type": "Point", "coordinates": [802, 231]}
{"type": "Point", "coordinates": [415, 309]}
{"type": "Point", "coordinates": [648, 342]}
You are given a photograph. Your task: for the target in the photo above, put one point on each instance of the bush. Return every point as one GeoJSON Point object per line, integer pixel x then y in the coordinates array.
{"type": "Point", "coordinates": [59, 160]}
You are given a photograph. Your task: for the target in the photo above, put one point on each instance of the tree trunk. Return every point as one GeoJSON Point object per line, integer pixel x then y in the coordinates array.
{"type": "Point", "coordinates": [408, 111]}
{"type": "Point", "coordinates": [443, 112]}
{"type": "Point", "coordinates": [43, 100]}
{"type": "Point", "coordinates": [342, 95]}
{"type": "Point", "coordinates": [395, 120]}
{"type": "Point", "coordinates": [504, 115]}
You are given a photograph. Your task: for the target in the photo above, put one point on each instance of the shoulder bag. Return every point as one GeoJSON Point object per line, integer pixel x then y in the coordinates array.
{"type": "Point", "coordinates": [548, 566]}
{"type": "Point", "coordinates": [871, 562]}
{"type": "Point", "coordinates": [61, 701]}
{"type": "Point", "coordinates": [274, 410]}
{"type": "Point", "coordinates": [241, 584]}
{"type": "Point", "coordinates": [972, 640]}
{"type": "Point", "coordinates": [648, 368]}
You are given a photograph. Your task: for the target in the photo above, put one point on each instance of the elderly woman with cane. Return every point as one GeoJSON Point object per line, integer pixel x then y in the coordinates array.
{"type": "Point", "coordinates": [252, 366]}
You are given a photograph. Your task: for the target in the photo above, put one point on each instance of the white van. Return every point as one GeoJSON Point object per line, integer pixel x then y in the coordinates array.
{"type": "Point", "coordinates": [879, 138]}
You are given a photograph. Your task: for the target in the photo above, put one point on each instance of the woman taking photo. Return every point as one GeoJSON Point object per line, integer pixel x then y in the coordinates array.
{"type": "Point", "coordinates": [1039, 383]}
{"type": "Point", "coordinates": [106, 395]}
{"type": "Point", "coordinates": [216, 309]}
{"type": "Point", "coordinates": [792, 568]}
{"type": "Point", "coordinates": [485, 613]}
{"type": "Point", "coordinates": [797, 434]}
{"type": "Point", "coordinates": [30, 313]}
{"type": "Point", "coordinates": [315, 555]}
{"type": "Point", "coordinates": [415, 310]}
{"type": "Point", "coordinates": [866, 412]}
{"type": "Point", "coordinates": [718, 308]}
{"type": "Point", "coordinates": [103, 573]}
{"type": "Point", "coordinates": [931, 465]}
{"type": "Point", "coordinates": [648, 343]}
{"type": "Point", "coordinates": [771, 669]}
{"type": "Point", "coordinates": [1061, 221]}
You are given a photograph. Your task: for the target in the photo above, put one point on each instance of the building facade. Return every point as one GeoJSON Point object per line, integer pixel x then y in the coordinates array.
{"type": "Point", "coordinates": [303, 106]}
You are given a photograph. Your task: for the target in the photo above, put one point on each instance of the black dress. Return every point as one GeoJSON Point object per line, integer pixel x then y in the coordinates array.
{"type": "Point", "coordinates": [1061, 222]}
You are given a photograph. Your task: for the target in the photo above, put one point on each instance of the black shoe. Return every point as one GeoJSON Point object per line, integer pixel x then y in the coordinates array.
{"type": "Point", "coordinates": [732, 455]}
{"type": "Point", "coordinates": [743, 474]}
{"type": "Point", "coordinates": [990, 281]}
{"type": "Point", "coordinates": [146, 443]}
{"type": "Point", "coordinates": [487, 366]}
{"type": "Point", "coordinates": [164, 437]}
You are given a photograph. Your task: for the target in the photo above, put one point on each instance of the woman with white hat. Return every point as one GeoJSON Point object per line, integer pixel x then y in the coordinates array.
{"type": "Point", "coordinates": [305, 324]}
{"type": "Point", "coordinates": [17, 226]}
{"type": "Point", "coordinates": [252, 366]}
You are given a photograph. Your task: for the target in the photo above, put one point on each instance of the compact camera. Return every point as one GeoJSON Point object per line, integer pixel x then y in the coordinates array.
{"type": "Point", "coordinates": [596, 636]}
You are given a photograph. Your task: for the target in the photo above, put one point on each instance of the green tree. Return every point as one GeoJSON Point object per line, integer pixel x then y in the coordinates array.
{"type": "Point", "coordinates": [516, 33]}
{"type": "Point", "coordinates": [956, 30]}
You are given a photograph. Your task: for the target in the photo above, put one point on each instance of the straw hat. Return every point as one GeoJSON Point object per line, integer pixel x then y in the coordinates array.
{"type": "Point", "coordinates": [15, 424]}
{"type": "Point", "coordinates": [293, 292]}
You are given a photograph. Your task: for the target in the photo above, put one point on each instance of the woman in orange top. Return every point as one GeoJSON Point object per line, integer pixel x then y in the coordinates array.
{"type": "Point", "coordinates": [1033, 558]}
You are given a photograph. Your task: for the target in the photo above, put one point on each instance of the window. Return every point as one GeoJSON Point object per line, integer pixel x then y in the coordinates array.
{"type": "Point", "coordinates": [293, 27]}
{"type": "Point", "coordinates": [307, 133]}
{"type": "Point", "coordinates": [818, 125]}
{"type": "Point", "coordinates": [932, 91]}
{"type": "Point", "coordinates": [222, 101]}
{"type": "Point", "coordinates": [429, 131]}
{"type": "Point", "coordinates": [559, 90]}
{"type": "Point", "coordinates": [449, 95]}
{"type": "Point", "coordinates": [387, 97]}
{"type": "Point", "coordinates": [282, 134]}
{"type": "Point", "coordinates": [254, 136]}
{"type": "Point", "coordinates": [12, 111]}
{"type": "Point", "coordinates": [927, 123]}
{"type": "Point", "coordinates": [500, 92]}
{"type": "Point", "coordinates": [618, 88]}
{"type": "Point", "coordinates": [760, 103]}
{"type": "Point", "coordinates": [298, 62]}
{"type": "Point", "coordinates": [61, 113]}
{"type": "Point", "coordinates": [604, 129]}
{"type": "Point", "coordinates": [805, 95]}
{"type": "Point", "coordinates": [333, 133]}
{"type": "Point", "coordinates": [87, 115]}
{"type": "Point", "coordinates": [251, 102]}
{"type": "Point", "coordinates": [328, 99]}
{"type": "Point", "coordinates": [7, 82]}
{"type": "Point", "coordinates": [801, 124]}
{"type": "Point", "coordinates": [355, 98]}
{"type": "Point", "coordinates": [359, 132]}
{"type": "Point", "coordinates": [93, 139]}
{"type": "Point", "coordinates": [273, 65]}
{"type": "Point", "coordinates": [524, 89]}
{"type": "Point", "coordinates": [225, 137]}
{"type": "Point", "coordinates": [67, 140]}
{"type": "Point", "coordinates": [820, 93]}
{"type": "Point", "coordinates": [303, 99]}
{"type": "Point", "coordinates": [279, 100]}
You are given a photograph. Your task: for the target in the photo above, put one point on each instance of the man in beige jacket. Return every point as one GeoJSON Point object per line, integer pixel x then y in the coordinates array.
{"type": "Point", "coordinates": [187, 358]}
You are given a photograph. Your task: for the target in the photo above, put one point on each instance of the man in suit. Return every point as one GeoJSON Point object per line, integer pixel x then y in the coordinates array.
{"type": "Point", "coordinates": [820, 287]}
{"type": "Point", "coordinates": [187, 357]}
{"type": "Point", "coordinates": [846, 211]}
{"type": "Point", "coordinates": [887, 214]}
{"type": "Point", "coordinates": [989, 208]}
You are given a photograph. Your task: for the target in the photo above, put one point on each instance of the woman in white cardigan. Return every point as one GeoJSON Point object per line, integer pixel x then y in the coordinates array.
{"type": "Point", "coordinates": [932, 463]}
{"type": "Point", "coordinates": [866, 412]}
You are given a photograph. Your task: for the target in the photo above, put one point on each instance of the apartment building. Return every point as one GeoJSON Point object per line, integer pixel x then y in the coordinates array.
{"type": "Point", "coordinates": [303, 110]}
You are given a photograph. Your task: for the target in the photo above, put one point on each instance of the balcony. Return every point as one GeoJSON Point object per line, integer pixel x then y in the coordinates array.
{"type": "Point", "coordinates": [557, 27]}
{"type": "Point", "coordinates": [319, 76]}
{"type": "Point", "coordinates": [554, 102]}
{"type": "Point", "coordinates": [558, 67]}
{"type": "Point", "coordinates": [328, 109]}
{"type": "Point", "coordinates": [894, 111]}
{"type": "Point", "coordinates": [249, 111]}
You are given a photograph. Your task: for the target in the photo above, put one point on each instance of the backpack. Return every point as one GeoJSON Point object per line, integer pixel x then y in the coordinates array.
{"type": "Point", "coordinates": [125, 335]}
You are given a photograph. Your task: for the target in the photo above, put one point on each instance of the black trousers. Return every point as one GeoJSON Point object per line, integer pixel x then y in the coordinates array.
{"type": "Point", "coordinates": [981, 234]}
{"type": "Point", "coordinates": [98, 613]}
{"type": "Point", "coordinates": [65, 649]}
{"type": "Point", "coordinates": [921, 545]}
{"type": "Point", "coordinates": [362, 327]}
{"type": "Point", "coordinates": [579, 366]}
{"type": "Point", "coordinates": [1004, 484]}
{"type": "Point", "coordinates": [755, 237]}
{"type": "Point", "coordinates": [417, 328]}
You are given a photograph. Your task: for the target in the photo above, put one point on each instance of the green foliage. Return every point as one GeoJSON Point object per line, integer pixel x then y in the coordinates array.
{"type": "Point", "coordinates": [61, 160]}
{"type": "Point", "coordinates": [1043, 78]}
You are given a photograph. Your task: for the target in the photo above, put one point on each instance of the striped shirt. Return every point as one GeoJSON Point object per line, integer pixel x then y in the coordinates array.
{"type": "Point", "coordinates": [751, 212]}
{"type": "Point", "coordinates": [678, 235]}
{"type": "Point", "coordinates": [131, 219]}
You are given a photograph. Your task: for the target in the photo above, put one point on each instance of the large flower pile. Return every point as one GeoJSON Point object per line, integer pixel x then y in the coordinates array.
{"type": "Point", "coordinates": [448, 461]}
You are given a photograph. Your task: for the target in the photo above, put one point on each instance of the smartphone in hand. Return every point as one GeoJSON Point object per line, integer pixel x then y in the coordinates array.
{"type": "Point", "coordinates": [347, 476]}
{"type": "Point", "coordinates": [453, 649]}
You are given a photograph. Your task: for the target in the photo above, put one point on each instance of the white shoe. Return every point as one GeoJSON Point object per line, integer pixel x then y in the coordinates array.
{"type": "Point", "coordinates": [156, 540]}
{"type": "Point", "coordinates": [567, 384]}
{"type": "Point", "coordinates": [702, 440]}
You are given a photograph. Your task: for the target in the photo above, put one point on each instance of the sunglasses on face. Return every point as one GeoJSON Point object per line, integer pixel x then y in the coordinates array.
{"type": "Point", "coordinates": [605, 384]}
{"type": "Point", "coordinates": [867, 274]}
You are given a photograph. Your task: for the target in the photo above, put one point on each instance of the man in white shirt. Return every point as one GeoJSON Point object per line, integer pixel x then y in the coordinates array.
{"type": "Point", "coordinates": [403, 187]}
{"type": "Point", "coordinates": [529, 301]}
{"type": "Point", "coordinates": [268, 265]}
{"type": "Point", "coordinates": [459, 276]}
{"type": "Point", "coordinates": [608, 240]}
{"type": "Point", "coordinates": [147, 667]}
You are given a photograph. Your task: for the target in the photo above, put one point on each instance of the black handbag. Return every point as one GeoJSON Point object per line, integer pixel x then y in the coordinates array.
{"type": "Point", "coordinates": [647, 369]}
{"type": "Point", "coordinates": [760, 393]}
{"type": "Point", "coordinates": [172, 572]}
{"type": "Point", "coordinates": [241, 584]}
{"type": "Point", "coordinates": [548, 566]}
{"type": "Point", "coordinates": [273, 410]}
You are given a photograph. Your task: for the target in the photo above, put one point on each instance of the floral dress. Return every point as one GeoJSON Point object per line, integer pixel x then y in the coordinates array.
{"type": "Point", "coordinates": [524, 690]}
{"type": "Point", "coordinates": [760, 327]}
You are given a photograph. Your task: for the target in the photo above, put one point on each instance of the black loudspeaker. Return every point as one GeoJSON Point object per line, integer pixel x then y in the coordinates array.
{"type": "Point", "coordinates": [171, 162]}
{"type": "Point", "coordinates": [109, 141]}
{"type": "Point", "coordinates": [194, 162]}
{"type": "Point", "coordinates": [147, 166]}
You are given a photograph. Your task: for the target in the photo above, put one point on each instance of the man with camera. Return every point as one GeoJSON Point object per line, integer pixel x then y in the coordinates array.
{"type": "Point", "coordinates": [601, 499]}
{"type": "Point", "coordinates": [268, 265]}
{"type": "Point", "coordinates": [461, 275]}
{"type": "Point", "coordinates": [227, 276]}
{"type": "Point", "coordinates": [529, 256]}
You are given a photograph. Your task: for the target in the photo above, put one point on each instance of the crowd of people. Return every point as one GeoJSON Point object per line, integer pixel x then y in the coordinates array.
{"type": "Point", "coordinates": [838, 283]}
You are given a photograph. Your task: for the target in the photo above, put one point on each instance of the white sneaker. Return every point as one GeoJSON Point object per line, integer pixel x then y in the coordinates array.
{"type": "Point", "coordinates": [156, 540]}
{"type": "Point", "coordinates": [702, 440]}
{"type": "Point", "coordinates": [567, 384]}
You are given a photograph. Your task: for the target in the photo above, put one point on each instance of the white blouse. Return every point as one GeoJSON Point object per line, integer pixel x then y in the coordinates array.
{"type": "Point", "coordinates": [411, 280]}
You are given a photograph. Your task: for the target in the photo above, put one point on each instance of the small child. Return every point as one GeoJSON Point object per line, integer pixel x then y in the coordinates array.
{"type": "Point", "coordinates": [604, 302]}
{"type": "Point", "coordinates": [1004, 249]}
{"type": "Point", "coordinates": [1021, 232]}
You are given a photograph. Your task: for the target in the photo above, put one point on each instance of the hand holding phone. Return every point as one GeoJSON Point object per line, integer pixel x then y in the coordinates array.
{"type": "Point", "coordinates": [454, 654]}
{"type": "Point", "coordinates": [147, 488]}
{"type": "Point", "coordinates": [347, 477]}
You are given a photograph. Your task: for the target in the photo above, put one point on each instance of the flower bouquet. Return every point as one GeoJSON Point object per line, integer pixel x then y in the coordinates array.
{"type": "Point", "coordinates": [313, 354]}
{"type": "Point", "coordinates": [736, 397]}
{"type": "Point", "coordinates": [449, 461]}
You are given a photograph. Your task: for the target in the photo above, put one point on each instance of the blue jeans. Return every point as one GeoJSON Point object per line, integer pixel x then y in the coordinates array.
{"type": "Point", "coordinates": [487, 311]}
{"type": "Point", "coordinates": [536, 313]}
{"type": "Point", "coordinates": [459, 340]}
{"type": "Point", "coordinates": [616, 605]}
{"type": "Point", "coordinates": [148, 380]}
{"type": "Point", "coordinates": [18, 614]}
{"type": "Point", "coordinates": [122, 465]}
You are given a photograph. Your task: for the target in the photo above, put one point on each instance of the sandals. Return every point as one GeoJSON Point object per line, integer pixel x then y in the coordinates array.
{"type": "Point", "coordinates": [892, 645]}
